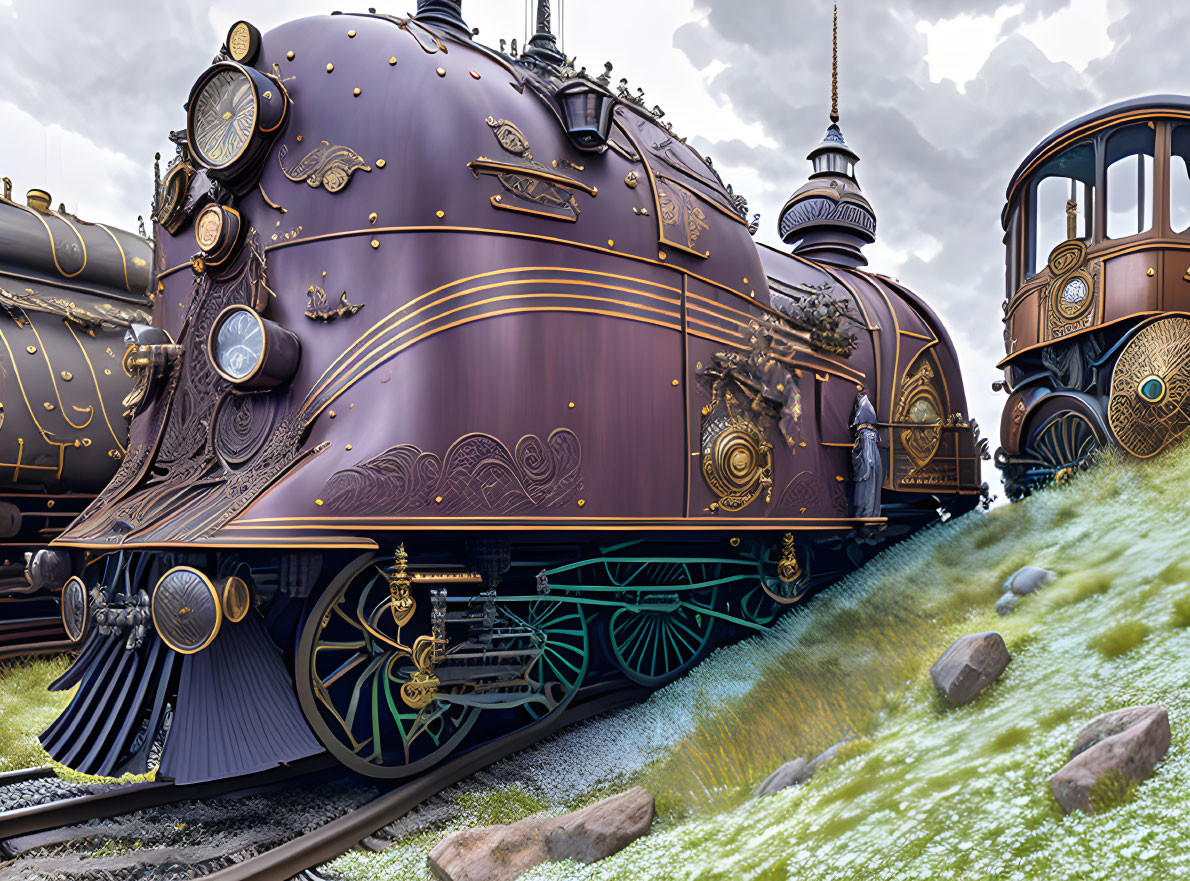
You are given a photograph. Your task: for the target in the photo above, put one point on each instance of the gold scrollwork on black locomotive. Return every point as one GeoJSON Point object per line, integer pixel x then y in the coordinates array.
{"type": "Point", "coordinates": [326, 166]}
{"type": "Point", "coordinates": [1149, 406]}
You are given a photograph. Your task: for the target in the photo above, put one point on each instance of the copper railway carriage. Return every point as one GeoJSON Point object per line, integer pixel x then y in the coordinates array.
{"type": "Point", "coordinates": [1097, 312]}
{"type": "Point", "coordinates": [69, 292]}
{"type": "Point", "coordinates": [481, 390]}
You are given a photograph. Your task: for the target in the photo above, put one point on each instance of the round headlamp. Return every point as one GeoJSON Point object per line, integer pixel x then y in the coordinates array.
{"type": "Point", "coordinates": [234, 114]}
{"type": "Point", "coordinates": [187, 610]}
{"type": "Point", "coordinates": [250, 351]}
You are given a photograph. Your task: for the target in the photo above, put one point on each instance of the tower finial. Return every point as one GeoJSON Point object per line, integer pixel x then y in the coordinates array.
{"type": "Point", "coordinates": [835, 68]}
{"type": "Point", "coordinates": [544, 44]}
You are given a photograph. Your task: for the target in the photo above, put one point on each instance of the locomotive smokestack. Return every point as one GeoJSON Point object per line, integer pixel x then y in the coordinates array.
{"type": "Point", "coordinates": [543, 45]}
{"type": "Point", "coordinates": [448, 13]}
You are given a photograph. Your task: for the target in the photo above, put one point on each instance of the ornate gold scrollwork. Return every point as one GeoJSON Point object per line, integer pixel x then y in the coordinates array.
{"type": "Point", "coordinates": [737, 460]}
{"type": "Point", "coordinates": [682, 219]}
{"type": "Point", "coordinates": [528, 180]}
{"type": "Point", "coordinates": [401, 602]}
{"type": "Point", "coordinates": [1149, 406]}
{"type": "Point", "coordinates": [1071, 293]}
{"type": "Point", "coordinates": [318, 305]}
{"type": "Point", "coordinates": [789, 570]}
{"type": "Point", "coordinates": [326, 166]}
{"type": "Point", "coordinates": [100, 316]}
{"type": "Point", "coordinates": [920, 414]}
{"type": "Point", "coordinates": [510, 137]}
{"type": "Point", "coordinates": [145, 364]}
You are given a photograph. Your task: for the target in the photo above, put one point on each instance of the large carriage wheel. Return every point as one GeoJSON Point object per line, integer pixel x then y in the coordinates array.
{"type": "Point", "coordinates": [565, 652]}
{"type": "Point", "coordinates": [352, 662]}
{"type": "Point", "coordinates": [1149, 406]}
{"type": "Point", "coordinates": [658, 634]}
{"type": "Point", "coordinates": [1063, 436]}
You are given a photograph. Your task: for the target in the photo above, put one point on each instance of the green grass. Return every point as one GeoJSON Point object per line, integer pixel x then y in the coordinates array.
{"type": "Point", "coordinates": [936, 791]}
{"type": "Point", "coordinates": [27, 709]}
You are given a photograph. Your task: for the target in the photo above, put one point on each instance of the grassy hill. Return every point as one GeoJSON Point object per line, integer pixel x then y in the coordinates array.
{"type": "Point", "coordinates": [924, 791]}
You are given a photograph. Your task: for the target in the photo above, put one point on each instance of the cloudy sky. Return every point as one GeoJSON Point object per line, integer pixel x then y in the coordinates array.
{"type": "Point", "coordinates": [941, 98]}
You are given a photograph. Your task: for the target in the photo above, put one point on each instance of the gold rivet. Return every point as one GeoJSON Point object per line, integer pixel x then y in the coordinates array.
{"type": "Point", "coordinates": [498, 198]}
{"type": "Point", "coordinates": [349, 446]}
{"type": "Point", "coordinates": [474, 75]}
{"type": "Point", "coordinates": [49, 503]}
{"type": "Point", "coordinates": [331, 414]}
{"type": "Point", "coordinates": [582, 502]}
{"type": "Point", "coordinates": [356, 91]}
{"type": "Point", "coordinates": [392, 60]}
{"type": "Point", "coordinates": [299, 139]}
{"type": "Point", "coordinates": [67, 376]}
{"type": "Point", "coordinates": [324, 273]}
{"type": "Point", "coordinates": [289, 55]}
{"type": "Point", "coordinates": [351, 33]}
{"type": "Point", "coordinates": [318, 502]}
{"type": "Point", "coordinates": [611, 243]}
{"type": "Point", "coordinates": [441, 71]}
{"type": "Point", "coordinates": [108, 372]}
{"type": "Point", "coordinates": [380, 163]}
{"type": "Point", "coordinates": [632, 179]}
{"type": "Point", "coordinates": [372, 217]}
{"type": "Point", "coordinates": [571, 405]}
{"type": "Point", "coordinates": [48, 405]}
{"type": "Point", "coordinates": [441, 214]}
{"type": "Point", "coordinates": [661, 254]}
{"type": "Point", "coordinates": [438, 500]}
{"type": "Point", "coordinates": [32, 350]}
{"type": "Point", "coordinates": [1151, 272]}
{"type": "Point", "coordinates": [329, 68]}
{"type": "Point", "coordinates": [735, 542]}
{"type": "Point", "coordinates": [674, 383]}
{"type": "Point", "coordinates": [351, 406]}
{"type": "Point", "coordinates": [375, 243]}
{"type": "Point", "coordinates": [635, 210]}
{"type": "Point", "coordinates": [839, 477]}
{"type": "Point", "coordinates": [745, 281]}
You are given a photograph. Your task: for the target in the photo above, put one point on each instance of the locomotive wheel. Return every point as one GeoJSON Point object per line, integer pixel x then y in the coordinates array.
{"type": "Point", "coordinates": [1068, 435]}
{"type": "Point", "coordinates": [564, 657]}
{"type": "Point", "coordinates": [352, 662]}
{"type": "Point", "coordinates": [653, 646]}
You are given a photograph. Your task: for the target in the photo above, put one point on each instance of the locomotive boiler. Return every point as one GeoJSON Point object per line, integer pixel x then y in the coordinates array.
{"type": "Point", "coordinates": [1097, 307]}
{"type": "Point", "coordinates": [69, 292]}
{"type": "Point", "coordinates": [476, 389]}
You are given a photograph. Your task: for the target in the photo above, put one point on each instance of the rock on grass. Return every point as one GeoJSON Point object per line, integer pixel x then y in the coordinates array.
{"type": "Point", "coordinates": [1112, 754]}
{"type": "Point", "coordinates": [970, 665]}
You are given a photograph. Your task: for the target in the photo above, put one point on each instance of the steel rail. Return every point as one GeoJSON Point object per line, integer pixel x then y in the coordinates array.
{"type": "Point", "coordinates": [339, 836]}
{"type": "Point", "coordinates": [115, 799]}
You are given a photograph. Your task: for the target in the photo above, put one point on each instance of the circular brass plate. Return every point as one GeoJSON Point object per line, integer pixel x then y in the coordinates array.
{"type": "Point", "coordinates": [208, 227]}
{"type": "Point", "coordinates": [1149, 406]}
{"type": "Point", "coordinates": [237, 599]}
{"type": "Point", "coordinates": [74, 608]}
{"type": "Point", "coordinates": [187, 610]}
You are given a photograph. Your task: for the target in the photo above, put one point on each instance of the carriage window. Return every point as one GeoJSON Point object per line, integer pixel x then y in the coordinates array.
{"type": "Point", "coordinates": [1063, 199]}
{"type": "Point", "coordinates": [1129, 162]}
{"type": "Point", "coordinates": [1179, 180]}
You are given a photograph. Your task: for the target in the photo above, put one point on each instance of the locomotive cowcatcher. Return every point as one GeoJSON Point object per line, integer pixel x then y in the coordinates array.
{"type": "Point", "coordinates": [481, 390]}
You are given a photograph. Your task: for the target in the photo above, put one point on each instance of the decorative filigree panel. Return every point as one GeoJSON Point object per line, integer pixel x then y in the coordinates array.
{"type": "Point", "coordinates": [478, 474]}
{"type": "Point", "coordinates": [1149, 406]}
{"type": "Point", "coordinates": [682, 219]}
{"type": "Point", "coordinates": [326, 166]}
{"type": "Point", "coordinates": [1069, 299]}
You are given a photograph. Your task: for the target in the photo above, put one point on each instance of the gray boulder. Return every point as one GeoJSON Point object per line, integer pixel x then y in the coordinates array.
{"type": "Point", "coordinates": [1006, 604]}
{"type": "Point", "coordinates": [1027, 580]}
{"type": "Point", "coordinates": [970, 665]}
{"type": "Point", "coordinates": [1112, 754]}
{"type": "Point", "coordinates": [602, 829]}
{"type": "Point", "coordinates": [501, 853]}
{"type": "Point", "coordinates": [792, 773]}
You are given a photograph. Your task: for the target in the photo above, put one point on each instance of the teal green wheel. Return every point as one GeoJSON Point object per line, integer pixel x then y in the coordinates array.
{"type": "Point", "coordinates": [353, 661]}
{"type": "Point", "coordinates": [655, 637]}
{"type": "Point", "coordinates": [559, 671]}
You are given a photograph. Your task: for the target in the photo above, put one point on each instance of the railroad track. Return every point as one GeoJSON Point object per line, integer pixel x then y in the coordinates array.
{"type": "Point", "coordinates": [35, 826]}
{"type": "Point", "coordinates": [25, 637]}
{"type": "Point", "coordinates": [339, 836]}
{"type": "Point", "coordinates": [35, 829]}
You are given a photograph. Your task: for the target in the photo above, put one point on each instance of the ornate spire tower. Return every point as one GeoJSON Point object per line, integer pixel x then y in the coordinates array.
{"type": "Point", "coordinates": [829, 219]}
{"type": "Point", "coordinates": [544, 45]}
{"type": "Point", "coordinates": [448, 13]}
